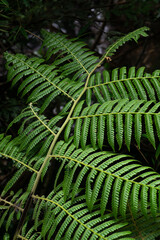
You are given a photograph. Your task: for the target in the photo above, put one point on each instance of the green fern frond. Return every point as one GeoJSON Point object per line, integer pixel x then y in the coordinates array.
{"type": "Point", "coordinates": [106, 171]}
{"type": "Point", "coordinates": [143, 228]}
{"type": "Point", "coordinates": [13, 208]}
{"type": "Point", "coordinates": [15, 179]}
{"type": "Point", "coordinates": [35, 130]}
{"type": "Point", "coordinates": [102, 194]}
{"type": "Point", "coordinates": [114, 121]}
{"type": "Point", "coordinates": [77, 222]}
{"type": "Point", "coordinates": [40, 81]}
{"type": "Point", "coordinates": [10, 150]}
{"type": "Point", "coordinates": [30, 233]}
{"type": "Point", "coordinates": [121, 84]}
{"type": "Point", "coordinates": [135, 35]}
{"type": "Point", "coordinates": [137, 228]}
{"type": "Point", "coordinates": [76, 59]}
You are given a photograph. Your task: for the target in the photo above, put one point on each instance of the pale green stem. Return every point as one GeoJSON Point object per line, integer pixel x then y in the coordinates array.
{"type": "Point", "coordinates": [56, 138]}
{"type": "Point", "coordinates": [69, 214]}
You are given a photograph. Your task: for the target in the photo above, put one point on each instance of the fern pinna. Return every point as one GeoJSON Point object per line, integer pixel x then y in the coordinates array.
{"type": "Point", "coordinates": [83, 154]}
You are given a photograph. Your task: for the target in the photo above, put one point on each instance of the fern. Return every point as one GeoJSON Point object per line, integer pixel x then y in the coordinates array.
{"type": "Point", "coordinates": [77, 58]}
{"type": "Point", "coordinates": [97, 190]}
{"type": "Point", "coordinates": [42, 80]}
{"type": "Point", "coordinates": [121, 84]}
{"type": "Point", "coordinates": [116, 118]}
{"type": "Point", "coordinates": [77, 224]}
{"type": "Point", "coordinates": [100, 168]}
{"type": "Point", "coordinates": [133, 35]}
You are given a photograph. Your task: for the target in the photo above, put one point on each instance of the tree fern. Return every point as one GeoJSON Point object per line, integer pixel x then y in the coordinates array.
{"type": "Point", "coordinates": [96, 190]}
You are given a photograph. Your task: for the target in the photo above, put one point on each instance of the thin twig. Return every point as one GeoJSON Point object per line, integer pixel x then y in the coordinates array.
{"type": "Point", "coordinates": [134, 222]}
{"type": "Point", "coordinates": [99, 35]}
{"type": "Point", "coordinates": [34, 35]}
{"type": "Point", "coordinates": [141, 154]}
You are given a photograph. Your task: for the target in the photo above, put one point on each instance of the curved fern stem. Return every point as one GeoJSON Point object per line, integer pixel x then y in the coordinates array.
{"type": "Point", "coordinates": [11, 204]}
{"type": "Point", "coordinates": [16, 160]}
{"type": "Point", "coordinates": [135, 224]}
{"type": "Point", "coordinates": [103, 171]}
{"type": "Point", "coordinates": [48, 158]}
{"type": "Point", "coordinates": [121, 80]}
{"type": "Point", "coordinates": [56, 203]}
{"type": "Point", "coordinates": [41, 120]}
{"type": "Point", "coordinates": [19, 236]}
{"type": "Point", "coordinates": [134, 35]}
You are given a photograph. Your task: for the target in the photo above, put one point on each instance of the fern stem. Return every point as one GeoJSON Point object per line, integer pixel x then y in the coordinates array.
{"type": "Point", "coordinates": [14, 159]}
{"type": "Point", "coordinates": [57, 136]}
{"type": "Point", "coordinates": [115, 113]}
{"type": "Point", "coordinates": [11, 204]}
{"type": "Point", "coordinates": [134, 223]}
{"type": "Point", "coordinates": [30, 67]}
{"type": "Point", "coordinates": [19, 236]}
{"type": "Point", "coordinates": [68, 213]}
{"type": "Point", "coordinates": [41, 120]}
{"type": "Point", "coordinates": [117, 44]}
{"type": "Point", "coordinates": [34, 35]}
{"type": "Point", "coordinates": [50, 150]}
{"type": "Point", "coordinates": [48, 156]}
{"type": "Point", "coordinates": [103, 171]}
{"type": "Point", "coordinates": [122, 80]}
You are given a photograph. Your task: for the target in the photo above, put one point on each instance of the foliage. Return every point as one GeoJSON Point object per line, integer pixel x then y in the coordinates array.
{"type": "Point", "coordinates": [97, 22]}
{"type": "Point", "coordinates": [74, 177]}
{"type": "Point", "coordinates": [18, 16]}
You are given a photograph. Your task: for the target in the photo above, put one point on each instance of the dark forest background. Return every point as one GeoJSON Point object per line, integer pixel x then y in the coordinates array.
{"type": "Point", "coordinates": [96, 22]}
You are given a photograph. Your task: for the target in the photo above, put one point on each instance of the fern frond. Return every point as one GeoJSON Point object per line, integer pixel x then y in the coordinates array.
{"type": "Point", "coordinates": [123, 83]}
{"type": "Point", "coordinates": [76, 58]}
{"type": "Point", "coordinates": [36, 132]}
{"type": "Point", "coordinates": [103, 195]}
{"type": "Point", "coordinates": [137, 227]}
{"type": "Point", "coordinates": [30, 233]}
{"type": "Point", "coordinates": [143, 228]}
{"type": "Point", "coordinates": [114, 121]}
{"type": "Point", "coordinates": [10, 150]}
{"type": "Point", "coordinates": [40, 81]}
{"type": "Point", "coordinates": [106, 171]}
{"type": "Point", "coordinates": [12, 208]}
{"type": "Point", "coordinates": [135, 35]}
{"type": "Point", "coordinates": [77, 222]}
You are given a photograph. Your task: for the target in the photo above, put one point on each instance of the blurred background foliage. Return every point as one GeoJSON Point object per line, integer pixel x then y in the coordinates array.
{"type": "Point", "coordinates": [96, 22]}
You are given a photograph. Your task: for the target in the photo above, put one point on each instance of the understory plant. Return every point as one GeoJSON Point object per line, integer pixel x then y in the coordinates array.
{"type": "Point", "coordinates": [82, 173]}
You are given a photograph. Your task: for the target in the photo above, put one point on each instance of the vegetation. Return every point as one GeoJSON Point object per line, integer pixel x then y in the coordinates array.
{"type": "Point", "coordinates": [98, 23]}
{"type": "Point", "coordinates": [75, 174]}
